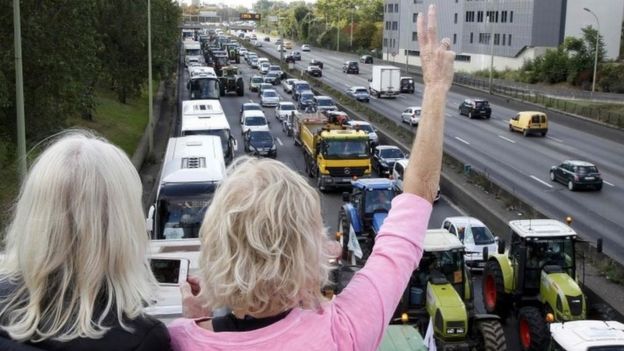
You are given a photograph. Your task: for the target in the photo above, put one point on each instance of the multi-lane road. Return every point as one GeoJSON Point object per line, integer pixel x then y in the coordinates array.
{"type": "Point", "coordinates": [518, 164]}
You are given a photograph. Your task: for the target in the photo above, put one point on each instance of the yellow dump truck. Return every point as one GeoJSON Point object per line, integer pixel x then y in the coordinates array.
{"type": "Point", "coordinates": [333, 154]}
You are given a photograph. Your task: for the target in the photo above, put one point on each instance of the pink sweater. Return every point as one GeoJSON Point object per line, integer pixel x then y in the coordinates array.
{"type": "Point", "coordinates": [356, 318]}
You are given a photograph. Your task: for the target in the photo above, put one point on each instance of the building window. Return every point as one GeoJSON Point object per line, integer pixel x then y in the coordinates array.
{"type": "Point", "coordinates": [504, 37]}
{"type": "Point", "coordinates": [480, 16]}
{"type": "Point", "coordinates": [385, 42]}
{"type": "Point", "coordinates": [471, 37]}
{"type": "Point", "coordinates": [496, 39]}
{"type": "Point", "coordinates": [395, 25]}
{"type": "Point", "coordinates": [387, 25]}
{"type": "Point", "coordinates": [454, 38]}
{"type": "Point", "coordinates": [509, 40]}
{"type": "Point", "coordinates": [390, 8]}
{"type": "Point", "coordinates": [418, 1]}
{"type": "Point", "coordinates": [455, 18]}
{"type": "Point", "coordinates": [414, 36]}
{"type": "Point", "coordinates": [504, 17]}
{"type": "Point", "coordinates": [484, 38]}
{"type": "Point", "coordinates": [396, 8]}
{"type": "Point", "coordinates": [462, 58]}
{"type": "Point", "coordinates": [510, 16]}
{"type": "Point", "coordinates": [414, 17]}
{"type": "Point", "coordinates": [470, 16]}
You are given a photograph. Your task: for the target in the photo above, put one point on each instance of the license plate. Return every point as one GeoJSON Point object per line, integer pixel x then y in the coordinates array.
{"type": "Point", "coordinates": [589, 178]}
{"type": "Point", "coordinates": [263, 152]}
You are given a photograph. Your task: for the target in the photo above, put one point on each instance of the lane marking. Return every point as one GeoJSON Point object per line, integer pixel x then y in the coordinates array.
{"type": "Point", "coordinates": [604, 181]}
{"type": "Point", "coordinates": [462, 140]}
{"type": "Point", "coordinates": [541, 181]}
{"type": "Point", "coordinates": [555, 139]}
{"type": "Point", "coordinates": [507, 139]}
{"type": "Point", "coordinates": [279, 141]}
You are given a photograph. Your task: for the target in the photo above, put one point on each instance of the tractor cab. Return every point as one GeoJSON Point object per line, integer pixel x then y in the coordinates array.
{"type": "Point", "coordinates": [541, 247]}
{"type": "Point", "coordinates": [407, 85]}
{"type": "Point", "coordinates": [372, 198]}
{"type": "Point", "coordinates": [230, 71]}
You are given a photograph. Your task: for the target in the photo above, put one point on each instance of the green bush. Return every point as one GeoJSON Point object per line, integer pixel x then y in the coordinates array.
{"type": "Point", "coordinates": [612, 78]}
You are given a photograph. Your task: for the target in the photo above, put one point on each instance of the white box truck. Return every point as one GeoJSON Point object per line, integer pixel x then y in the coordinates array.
{"type": "Point", "coordinates": [385, 82]}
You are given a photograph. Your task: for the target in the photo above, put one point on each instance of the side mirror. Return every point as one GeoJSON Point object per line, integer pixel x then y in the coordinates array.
{"type": "Point", "coordinates": [370, 79]}
{"type": "Point", "coordinates": [485, 253]}
{"type": "Point", "coordinates": [599, 245]}
{"type": "Point", "coordinates": [346, 196]}
{"type": "Point", "coordinates": [149, 222]}
{"type": "Point", "coordinates": [501, 246]}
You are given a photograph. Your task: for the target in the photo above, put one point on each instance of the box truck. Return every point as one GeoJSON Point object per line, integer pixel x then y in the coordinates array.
{"type": "Point", "coordinates": [385, 82]}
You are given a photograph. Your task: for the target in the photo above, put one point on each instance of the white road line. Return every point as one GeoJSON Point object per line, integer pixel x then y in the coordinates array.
{"type": "Point", "coordinates": [507, 139]}
{"type": "Point", "coordinates": [604, 181]}
{"type": "Point", "coordinates": [279, 141]}
{"type": "Point", "coordinates": [555, 139]}
{"type": "Point", "coordinates": [541, 181]}
{"type": "Point", "coordinates": [462, 140]}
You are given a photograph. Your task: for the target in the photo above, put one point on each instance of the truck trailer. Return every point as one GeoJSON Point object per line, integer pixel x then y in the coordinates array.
{"type": "Point", "coordinates": [385, 82]}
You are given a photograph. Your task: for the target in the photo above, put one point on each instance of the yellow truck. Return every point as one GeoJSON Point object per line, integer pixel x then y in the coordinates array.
{"type": "Point", "coordinates": [333, 154]}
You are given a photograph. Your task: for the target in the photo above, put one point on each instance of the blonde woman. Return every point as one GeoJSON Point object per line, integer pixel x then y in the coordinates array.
{"type": "Point", "coordinates": [75, 274]}
{"type": "Point", "coordinates": [263, 248]}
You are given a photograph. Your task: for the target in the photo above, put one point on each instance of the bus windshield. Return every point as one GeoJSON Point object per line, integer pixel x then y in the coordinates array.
{"type": "Point", "coordinates": [181, 218]}
{"type": "Point", "coordinates": [204, 88]}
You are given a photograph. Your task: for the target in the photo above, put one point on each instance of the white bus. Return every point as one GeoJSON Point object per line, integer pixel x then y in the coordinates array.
{"type": "Point", "coordinates": [206, 117]}
{"type": "Point", "coordinates": [192, 52]}
{"type": "Point", "coordinates": [192, 169]}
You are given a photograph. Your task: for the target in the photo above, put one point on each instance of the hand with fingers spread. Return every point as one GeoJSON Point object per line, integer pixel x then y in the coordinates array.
{"type": "Point", "coordinates": [192, 305]}
{"type": "Point", "coordinates": [436, 57]}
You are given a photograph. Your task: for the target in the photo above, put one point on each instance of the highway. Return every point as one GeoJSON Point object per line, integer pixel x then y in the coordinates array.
{"type": "Point", "coordinates": [518, 164]}
{"type": "Point", "coordinates": [331, 201]}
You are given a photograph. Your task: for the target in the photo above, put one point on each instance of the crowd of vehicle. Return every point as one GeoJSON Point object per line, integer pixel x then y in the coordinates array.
{"type": "Point", "coordinates": [341, 152]}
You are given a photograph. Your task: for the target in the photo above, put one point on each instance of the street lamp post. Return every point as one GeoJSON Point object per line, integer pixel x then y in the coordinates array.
{"type": "Point", "coordinates": [489, 20]}
{"type": "Point", "coordinates": [19, 92]}
{"type": "Point", "coordinates": [150, 131]}
{"type": "Point", "coordinates": [596, 54]}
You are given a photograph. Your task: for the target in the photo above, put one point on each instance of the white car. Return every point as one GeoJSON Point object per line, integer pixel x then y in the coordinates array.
{"type": "Point", "coordinates": [287, 84]}
{"type": "Point", "coordinates": [305, 47]}
{"type": "Point", "coordinates": [474, 235]}
{"type": "Point", "coordinates": [368, 128]}
{"type": "Point", "coordinates": [254, 120]}
{"type": "Point", "coordinates": [269, 98]}
{"type": "Point", "coordinates": [264, 67]}
{"type": "Point", "coordinates": [280, 48]}
{"type": "Point", "coordinates": [411, 115]}
{"type": "Point", "coordinates": [242, 51]}
{"type": "Point", "coordinates": [284, 109]}
{"type": "Point", "coordinates": [398, 172]}
{"type": "Point", "coordinates": [258, 43]}
{"type": "Point", "coordinates": [587, 335]}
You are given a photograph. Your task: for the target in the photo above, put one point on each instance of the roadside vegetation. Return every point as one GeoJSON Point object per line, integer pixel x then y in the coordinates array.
{"type": "Point", "coordinates": [84, 64]}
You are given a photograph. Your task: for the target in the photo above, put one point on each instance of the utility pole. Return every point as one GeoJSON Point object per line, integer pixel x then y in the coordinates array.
{"type": "Point", "coordinates": [150, 129]}
{"type": "Point", "coordinates": [489, 21]}
{"type": "Point", "coordinates": [19, 92]}
{"type": "Point", "coordinates": [338, 36]}
{"type": "Point", "coordinates": [596, 54]}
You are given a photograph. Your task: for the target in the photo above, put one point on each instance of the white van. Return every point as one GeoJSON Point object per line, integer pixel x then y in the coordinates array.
{"type": "Point", "coordinates": [206, 117]}
{"type": "Point", "coordinates": [192, 52]}
{"type": "Point", "coordinates": [192, 169]}
{"type": "Point", "coordinates": [474, 235]}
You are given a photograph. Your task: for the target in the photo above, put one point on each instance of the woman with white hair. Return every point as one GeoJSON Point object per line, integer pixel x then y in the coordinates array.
{"type": "Point", "coordinates": [264, 253]}
{"type": "Point", "coordinates": [75, 274]}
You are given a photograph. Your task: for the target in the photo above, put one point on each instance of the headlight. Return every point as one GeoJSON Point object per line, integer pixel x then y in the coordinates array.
{"type": "Point", "coordinates": [251, 148]}
{"type": "Point", "coordinates": [273, 147]}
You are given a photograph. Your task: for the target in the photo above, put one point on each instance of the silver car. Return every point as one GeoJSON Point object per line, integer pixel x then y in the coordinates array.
{"type": "Point", "coordinates": [283, 109]}
{"type": "Point", "coordinates": [287, 84]}
{"type": "Point", "coordinates": [269, 97]}
{"type": "Point", "coordinates": [411, 115]}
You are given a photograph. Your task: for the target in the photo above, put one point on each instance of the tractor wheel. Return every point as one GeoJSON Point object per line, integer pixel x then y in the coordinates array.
{"type": "Point", "coordinates": [343, 227]}
{"type": "Point", "coordinates": [222, 89]}
{"type": "Point", "coordinates": [240, 87]}
{"type": "Point", "coordinates": [532, 329]}
{"type": "Point", "coordinates": [601, 311]}
{"type": "Point", "coordinates": [495, 299]}
{"type": "Point", "coordinates": [491, 335]}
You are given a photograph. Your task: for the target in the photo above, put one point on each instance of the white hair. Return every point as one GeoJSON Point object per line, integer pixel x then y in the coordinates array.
{"type": "Point", "coordinates": [76, 245]}
{"type": "Point", "coordinates": [263, 241]}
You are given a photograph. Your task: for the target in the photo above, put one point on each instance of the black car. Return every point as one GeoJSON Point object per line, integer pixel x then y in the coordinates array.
{"type": "Point", "coordinates": [296, 55]}
{"type": "Point", "coordinates": [273, 77]}
{"type": "Point", "coordinates": [407, 85]}
{"type": "Point", "coordinates": [314, 71]}
{"type": "Point", "coordinates": [299, 86]}
{"type": "Point", "coordinates": [305, 101]}
{"type": "Point", "coordinates": [475, 108]}
{"type": "Point", "coordinates": [260, 143]}
{"type": "Point", "coordinates": [351, 67]}
{"type": "Point", "coordinates": [290, 59]}
{"type": "Point", "coordinates": [267, 39]}
{"type": "Point", "coordinates": [314, 62]}
{"type": "Point", "coordinates": [577, 174]}
{"type": "Point", "coordinates": [366, 59]}
{"type": "Point", "coordinates": [384, 158]}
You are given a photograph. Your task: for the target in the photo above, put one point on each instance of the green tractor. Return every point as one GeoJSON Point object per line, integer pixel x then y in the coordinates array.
{"type": "Point", "coordinates": [440, 293]}
{"type": "Point", "coordinates": [231, 81]}
{"type": "Point", "coordinates": [537, 277]}
{"type": "Point", "coordinates": [232, 51]}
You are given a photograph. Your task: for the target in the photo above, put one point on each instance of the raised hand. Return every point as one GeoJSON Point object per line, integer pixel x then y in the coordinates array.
{"type": "Point", "coordinates": [436, 56]}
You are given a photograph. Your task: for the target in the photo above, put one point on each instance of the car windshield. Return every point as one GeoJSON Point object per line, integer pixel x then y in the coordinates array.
{"type": "Point", "coordinates": [303, 86]}
{"type": "Point", "coordinates": [268, 93]}
{"type": "Point", "coordinates": [256, 80]}
{"type": "Point", "coordinates": [482, 104]}
{"type": "Point", "coordinates": [582, 170]}
{"type": "Point", "coordinates": [261, 136]}
{"type": "Point", "coordinates": [361, 91]}
{"type": "Point", "coordinates": [325, 102]}
{"type": "Point", "coordinates": [255, 121]}
{"type": "Point", "coordinates": [193, 52]}
{"type": "Point", "coordinates": [346, 149]}
{"type": "Point", "coordinates": [307, 96]}
{"type": "Point", "coordinates": [478, 235]}
{"type": "Point", "coordinates": [272, 74]}
{"type": "Point", "coordinates": [287, 107]}
{"type": "Point", "coordinates": [204, 88]}
{"type": "Point", "coordinates": [391, 153]}
{"type": "Point", "coordinates": [274, 68]}
{"type": "Point", "coordinates": [365, 127]}
{"type": "Point", "coordinates": [252, 107]}
{"type": "Point", "coordinates": [378, 199]}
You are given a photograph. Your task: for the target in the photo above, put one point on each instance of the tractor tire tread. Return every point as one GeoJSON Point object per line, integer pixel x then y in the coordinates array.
{"type": "Point", "coordinates": [493, 335]}
{"type": "Point", "coordinates": [537, 327]}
